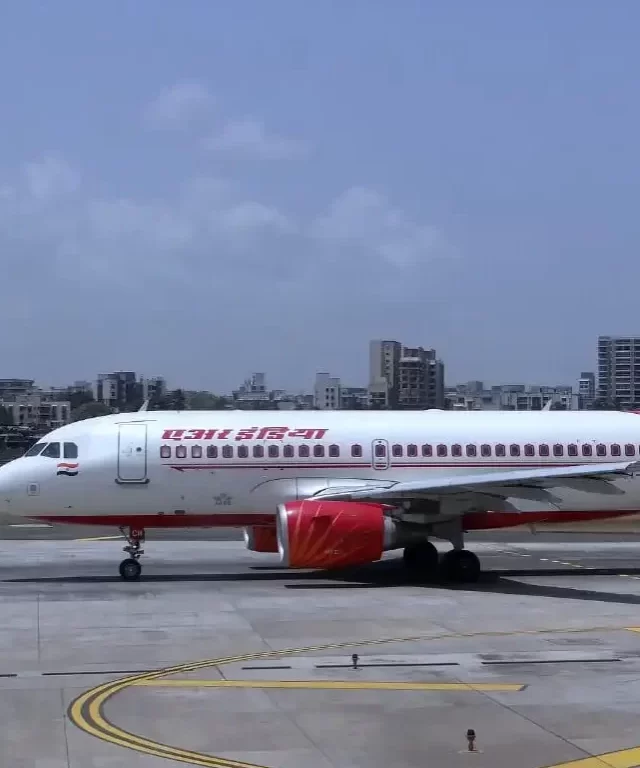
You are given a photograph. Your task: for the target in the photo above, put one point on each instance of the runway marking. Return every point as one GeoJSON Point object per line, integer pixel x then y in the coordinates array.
{"type": "Point", "coordinates": [330, 685]}
{"type": "Point", "coordinates": [87, 711]}
{"type": "Point", "coordinates": [30, 525]}
{"type": "Point", "coordinates": [101, 538]}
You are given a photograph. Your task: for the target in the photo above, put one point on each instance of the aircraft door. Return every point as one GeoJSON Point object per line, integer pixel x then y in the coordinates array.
{"type": "Point", "coordinates": [380, 454]}
{"type": "Point", "coordinates": [132, 453]}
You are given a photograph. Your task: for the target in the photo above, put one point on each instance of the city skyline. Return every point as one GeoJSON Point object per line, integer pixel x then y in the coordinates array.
{"type": "Point", "coordinates": [201, 193]}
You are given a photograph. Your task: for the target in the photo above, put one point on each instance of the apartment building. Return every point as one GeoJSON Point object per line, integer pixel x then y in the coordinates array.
{"type": "Point", "coordinates": [619, 371]}
{"type": "Point", "coordinates": [326, 393]}
{"type": "Point", "coordinates": [404, 377]}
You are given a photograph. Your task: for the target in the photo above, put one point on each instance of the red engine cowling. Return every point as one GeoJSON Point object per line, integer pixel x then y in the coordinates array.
{"type": "Point", "coordinates": [332, 534]}
{"type": "Point", "coordinates": [261, 538]}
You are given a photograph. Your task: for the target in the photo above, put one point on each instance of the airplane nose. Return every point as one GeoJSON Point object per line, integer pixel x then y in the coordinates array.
{"type": "Point", "coordinates": [6, 490]}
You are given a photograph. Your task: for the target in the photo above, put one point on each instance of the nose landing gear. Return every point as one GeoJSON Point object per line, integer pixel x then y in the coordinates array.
{"type": "Point", "coordinates": [130, 568]}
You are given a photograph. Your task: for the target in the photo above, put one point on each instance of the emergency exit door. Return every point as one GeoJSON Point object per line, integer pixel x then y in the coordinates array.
{"type": "Point", "coordinates": [132, 453]}
{"type": "Point", "coordinates": [380, 454]}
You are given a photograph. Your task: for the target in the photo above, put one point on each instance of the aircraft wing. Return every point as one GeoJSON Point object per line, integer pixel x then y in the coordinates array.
{"type": "Point", "coordinates": [524, 483]}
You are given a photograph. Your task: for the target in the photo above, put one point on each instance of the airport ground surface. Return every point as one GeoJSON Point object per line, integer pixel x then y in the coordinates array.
{"type": "Point", "coordinates": [541, 659]}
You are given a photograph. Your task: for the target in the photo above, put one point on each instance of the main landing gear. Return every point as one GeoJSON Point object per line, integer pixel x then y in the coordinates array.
{"type": "Point", "coordinates": [130, 568]}
{"type": "Point", "coordinates": [423, 564]}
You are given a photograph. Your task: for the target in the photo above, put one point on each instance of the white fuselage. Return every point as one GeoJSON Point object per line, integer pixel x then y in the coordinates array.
{"type": "Point", "coordinates": [234, 467]}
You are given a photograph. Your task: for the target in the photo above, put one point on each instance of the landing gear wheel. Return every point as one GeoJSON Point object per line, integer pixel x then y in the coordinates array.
{"type": "Point", "coordinates": [461, 566]}
{"type": "Point", "coordinates": [130, 569]}
{"type": "Point", "coordinates": [421, 562]}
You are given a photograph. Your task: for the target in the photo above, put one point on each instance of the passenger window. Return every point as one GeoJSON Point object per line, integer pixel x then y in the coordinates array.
{"type": "Point", "coordinates": [196, 451]}
{"type": "Point", "coordinates": [227, 451]}
{"type": "Point", "coordinates": [243, 452]}
{"type": "Point", "coordinates": [212, 451]}
{"type": "Point", "coordinates": [472, 450]}
{"type": "Point", "coordinates": [318, 451]}
{"type": "Point", "coordinates": [396, 450]}
{"type": "Point", "coordinates": [501, 450]}
{"type": "Point", "coordinates": [485, 450]}
{"type": "Point", "coordinates": [258, 452]}
{"type": "Point", "coordinates": [274, 451]}
{"type": "Point", "coordinates": [165, 451]}
{"type": "Point", "coordinates": [629, 450]}
{"type": "Point", "coordinates": [356, 451]}
{"type": "Point", "coordinates": [514, 450]}
{"type": "Point", "coordinates": [543, 449]}
{"type": "Point", "coordinates": [615, 449]}
{"type": "Point", "coordinates": [36, 449]}
{"type": "Point", "coordinates": [303, 451]}
{"type": "Point", "coordinates": [181, 452]}
{"type": "Point", "coordinates": [52, 451]}
{"type": "Point", "coordinates": [288, 452]}
{"type": "Point", "coordinates": [70, 451]}
{"type": "Point", "coordinates": [334, 451]}
{"type": "Point", "coordinates": [529, 450]}
{"type": "Point", "coordinates": [412, 451]}
{"type": "Point", "coordinates": [427, 450]}
{"type": "Point", "coordinates": [558, 450]}
{"type": "Point", "coordinates": [572, 449]}
{"type": "Point", "coordinates": [601, 450]}
{"type": "Point", "coordinates": [380, 451]}
{"type": "Point", "coordinates": [456, 450]}
{"type": "Point", "coordinates": [442, 450]}
{"type": "Point", "coordinates": [587, 449]}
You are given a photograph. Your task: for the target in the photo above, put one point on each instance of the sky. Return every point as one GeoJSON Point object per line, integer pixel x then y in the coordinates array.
{"type": "Point", "coordinates": [205, 189]}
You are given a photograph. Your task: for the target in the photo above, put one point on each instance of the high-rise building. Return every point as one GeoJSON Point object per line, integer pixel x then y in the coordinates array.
{"type": "Point", "coordinates": [619, 371]}
{"type": "Point", "coordinates": [326, 394]}
{"type": "Point", "coordinates": [420, 379]}
{"type": "Point", "coordinates": [404, 377]}
{"type": "Point", "coordinates": [587, 389]}
{"type": "Point", "coordinates": [384, 356]}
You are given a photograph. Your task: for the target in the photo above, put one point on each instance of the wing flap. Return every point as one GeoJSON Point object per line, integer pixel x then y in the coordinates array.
{"type": "Point", "coordinates": [531, 482]}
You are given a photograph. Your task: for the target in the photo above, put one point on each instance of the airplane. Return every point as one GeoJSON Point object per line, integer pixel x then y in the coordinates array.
{"type": "Point", "coordinates": [331, 489]}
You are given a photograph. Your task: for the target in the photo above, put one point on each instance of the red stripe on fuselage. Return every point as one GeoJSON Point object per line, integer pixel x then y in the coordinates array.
{"type": "Point", "coordinates": [471, 521]}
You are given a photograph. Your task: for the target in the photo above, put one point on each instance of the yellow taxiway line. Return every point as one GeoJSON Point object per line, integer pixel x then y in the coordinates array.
{"type": "Point", "coordinates": [87, 711]}
{"type": "Point", "coordinates": [332, 685]}
{"type": "Point", "coordinates": [625, 758]}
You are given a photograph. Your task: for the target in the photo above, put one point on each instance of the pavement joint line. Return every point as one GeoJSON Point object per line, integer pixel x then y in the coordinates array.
{"type": "Point", "coordinates": [86, 712]}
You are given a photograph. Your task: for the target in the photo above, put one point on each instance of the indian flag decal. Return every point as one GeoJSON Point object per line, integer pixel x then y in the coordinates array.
{"type": "Point", "coordinates": [70, 470]}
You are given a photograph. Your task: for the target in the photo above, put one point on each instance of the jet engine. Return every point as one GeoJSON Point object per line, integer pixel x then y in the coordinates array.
{"type": "Point", "coordinates": [333, 534]}
{"type": "Point", "coordinates": [259, 538]}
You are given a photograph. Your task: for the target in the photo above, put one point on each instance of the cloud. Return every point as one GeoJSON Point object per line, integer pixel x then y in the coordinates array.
{"type": "Point", "coordinates": [208, 237]}
{"type": "Point", "coordinates": [366, 219]}
{"type": "Point", "coordinates": [250, 137]}
{"type": "Point", "coordinates": [50, 177]}
{"type": "Point", "coordinates": [177, 105]}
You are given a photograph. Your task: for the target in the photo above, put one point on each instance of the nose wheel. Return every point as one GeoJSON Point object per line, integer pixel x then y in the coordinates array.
{"type": "Point", "coordinates": [130, 568]}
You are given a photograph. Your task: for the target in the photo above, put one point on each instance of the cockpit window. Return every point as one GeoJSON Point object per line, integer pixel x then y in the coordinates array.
{"type": "Point", "coordinates": [52, 451]}
{"type": "Point", "coordinates": [70, 451]}
{"type": "Point", "coordinates": [35, 449]}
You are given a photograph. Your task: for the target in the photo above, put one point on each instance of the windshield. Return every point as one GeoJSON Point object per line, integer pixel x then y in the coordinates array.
{"type": "Point", "coordinates": [35, 450]}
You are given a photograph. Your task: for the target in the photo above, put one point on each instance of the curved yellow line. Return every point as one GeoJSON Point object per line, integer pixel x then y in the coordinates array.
{"type": "Point", "coordinates": [86, 712]}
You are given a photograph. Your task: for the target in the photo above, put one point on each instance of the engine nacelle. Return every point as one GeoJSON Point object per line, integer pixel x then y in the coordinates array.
{"type": "Point", "coordinates": [333, 534]}
{"type": "Point", "coordinates": [261, 538]}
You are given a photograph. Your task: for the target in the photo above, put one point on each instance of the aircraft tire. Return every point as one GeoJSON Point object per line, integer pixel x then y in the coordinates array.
{"type": "Point", "coordinates": [421, 562]}
{"type": "Point", "coordinates": [130, 569]}
{"type": "Point", "coordinates": [461, 566]}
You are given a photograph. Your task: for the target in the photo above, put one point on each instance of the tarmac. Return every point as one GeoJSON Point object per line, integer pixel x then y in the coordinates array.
{"type": "Point", "coordinates": [217, 657]}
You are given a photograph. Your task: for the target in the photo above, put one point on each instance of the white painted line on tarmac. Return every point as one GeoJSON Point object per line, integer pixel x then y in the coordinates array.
{"type": "Point", "coordinates": [30, 525]}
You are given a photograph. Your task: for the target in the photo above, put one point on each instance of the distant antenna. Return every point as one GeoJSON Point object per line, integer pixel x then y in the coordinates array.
{"type": "Point", "coordinates": [144, 406]}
